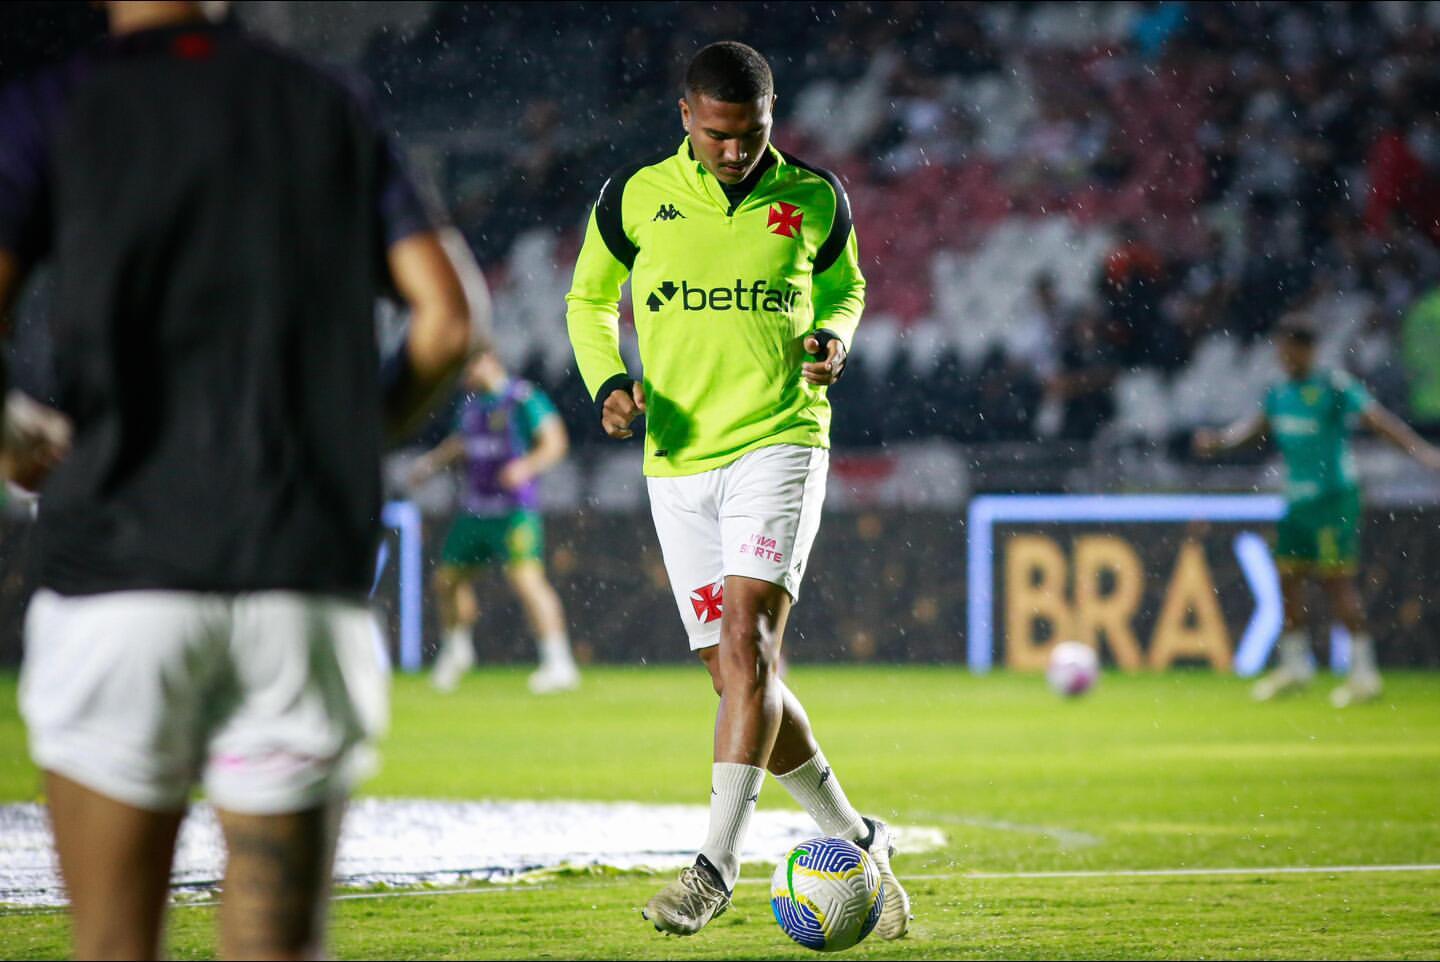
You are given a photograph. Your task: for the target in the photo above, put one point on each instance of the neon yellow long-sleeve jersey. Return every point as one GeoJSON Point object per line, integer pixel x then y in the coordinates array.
{"type": "Point", "coordinates": [724, 297]}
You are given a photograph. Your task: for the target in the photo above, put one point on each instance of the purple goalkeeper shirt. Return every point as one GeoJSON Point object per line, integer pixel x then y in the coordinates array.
{"type": "Point", "coordinates": [497, 429]}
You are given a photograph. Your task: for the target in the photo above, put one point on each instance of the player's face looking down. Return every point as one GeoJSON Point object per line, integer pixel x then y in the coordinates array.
{"type": "Point", "coordinates": [1297, 355]}
{"type": "Point", "coordinates": [728, 139]}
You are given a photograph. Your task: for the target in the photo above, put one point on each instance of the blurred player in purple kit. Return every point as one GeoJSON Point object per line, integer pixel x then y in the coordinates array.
{"type": "Point", "coordinates": [506, 434]}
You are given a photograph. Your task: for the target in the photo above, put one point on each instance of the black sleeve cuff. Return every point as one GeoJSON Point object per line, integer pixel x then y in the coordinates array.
{"type": "Point", "coordinates": [619, 382]}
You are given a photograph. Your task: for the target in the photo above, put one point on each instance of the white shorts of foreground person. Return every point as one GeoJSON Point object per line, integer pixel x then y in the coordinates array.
{"type": "Point", "coordinates": [268, 699]}
{"type": "Point", "coordinates": [756, 517]}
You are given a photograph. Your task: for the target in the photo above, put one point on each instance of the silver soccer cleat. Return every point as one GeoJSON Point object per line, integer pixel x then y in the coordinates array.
{"type": "Point", "coordinates": [554, 677]}
{"type": "Point", "coordinates": [1360, 686]}
{"type": "Point", "coordinates": [687, 905]}
{"type": "Point", "coordinates": [1284, 680]}
{"type": "Point", "coordinates": [895, 913]}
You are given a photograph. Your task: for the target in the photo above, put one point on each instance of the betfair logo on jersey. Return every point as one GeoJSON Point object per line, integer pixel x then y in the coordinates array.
{"type": "Point", "coordinates": [757, 296]}
{"type": "Point", "coordinates": [667, 212]}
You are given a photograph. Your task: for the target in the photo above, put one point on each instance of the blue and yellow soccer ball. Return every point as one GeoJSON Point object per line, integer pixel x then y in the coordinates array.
{"type": "Point", "coordinates": [827, 894]}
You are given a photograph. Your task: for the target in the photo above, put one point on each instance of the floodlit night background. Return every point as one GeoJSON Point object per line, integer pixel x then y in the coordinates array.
{"type": "Point", "coordinates": [1079, 224]}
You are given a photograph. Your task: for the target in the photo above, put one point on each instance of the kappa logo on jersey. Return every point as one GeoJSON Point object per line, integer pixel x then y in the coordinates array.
{"type": "Point", "coordinates": [708, 602]}
{"type": "Point", "coordinates": [667, 212]}
{"type": "Point", "coordinates": [757, 296]}
{"type": "Point", "coordinates": [785, 219]}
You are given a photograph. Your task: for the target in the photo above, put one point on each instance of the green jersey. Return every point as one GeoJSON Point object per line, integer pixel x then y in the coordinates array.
{"type": "Point", "coordinates": [1311, 422]}
{"type": "Point", "coordinates": [724, 295]}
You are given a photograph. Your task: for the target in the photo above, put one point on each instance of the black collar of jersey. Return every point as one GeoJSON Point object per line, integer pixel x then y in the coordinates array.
{"type": "Point", "coordinates": [736, 193]}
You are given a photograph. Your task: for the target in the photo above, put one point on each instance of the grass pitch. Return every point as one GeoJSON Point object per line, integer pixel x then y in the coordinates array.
{"type": "Point", "coordinates": [1156, 772]}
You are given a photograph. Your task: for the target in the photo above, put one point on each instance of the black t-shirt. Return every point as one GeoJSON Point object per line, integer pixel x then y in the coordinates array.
{"type": "Point", "coordinates": [217, 212]}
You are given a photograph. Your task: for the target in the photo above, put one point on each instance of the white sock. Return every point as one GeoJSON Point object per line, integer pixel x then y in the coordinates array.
{"type": "Point", "coordinates": [1362, 654]}
{"type": "Point", "coordinates": [459, 646]}
{"type": "Point", "coordinates": [555, 649]}
{"type": "Point", "coordinates": [734, 790]}
{"type": "Point", "coordinates": [818, 791]}
{"type": "Point", "coordinates": [1295, 652]}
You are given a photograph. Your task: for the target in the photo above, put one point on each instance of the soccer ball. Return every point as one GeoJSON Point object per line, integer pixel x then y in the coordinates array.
{"type": "Point", "coordinates": [1073, 669]}
{"type": "Point", "coordinates": [827, 894]}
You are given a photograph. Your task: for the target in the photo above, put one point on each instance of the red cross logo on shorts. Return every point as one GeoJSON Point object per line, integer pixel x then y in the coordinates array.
{"type": "Point", "coordinates": [785, 219]}
{"type": "Point", "coordinates": [708, 601]}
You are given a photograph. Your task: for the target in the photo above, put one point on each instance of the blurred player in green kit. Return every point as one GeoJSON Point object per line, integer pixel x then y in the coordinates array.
{"type": "Point", "coordinates": [1311, 415]}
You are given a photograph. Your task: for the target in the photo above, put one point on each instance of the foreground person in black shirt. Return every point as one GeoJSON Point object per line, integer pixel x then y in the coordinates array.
{"type": "Point", "coordinates": [221, 217]}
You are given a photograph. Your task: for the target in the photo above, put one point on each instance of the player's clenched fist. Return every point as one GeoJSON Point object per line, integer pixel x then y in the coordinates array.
{"type": "Point", "coordinates": [33, 440]}
{"type": "Point", "coordinates": [622, 407]}
{"type": "Point", "coordinates": [831, 352]}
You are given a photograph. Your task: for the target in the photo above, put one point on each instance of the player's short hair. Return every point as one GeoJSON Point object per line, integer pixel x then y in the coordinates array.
{"type": "Point", "coordinates": [731, 72]}
{"type": "Point", "coordinates": [1297, 327]}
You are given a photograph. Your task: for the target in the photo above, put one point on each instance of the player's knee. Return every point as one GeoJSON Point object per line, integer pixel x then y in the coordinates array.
{"type": "Point", "coordinates": [748, 656]}
{"type": "Point", "coordinates": [712, 665]}
{"type": "Point", "coordinates": [1350, 612]}
{"type": "Point", "coordinates": [443, 580]}
{"type": "Point", "coordinates": [740, 638]}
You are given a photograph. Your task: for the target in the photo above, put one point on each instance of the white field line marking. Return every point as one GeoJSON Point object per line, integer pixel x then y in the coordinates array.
{"type": "Point", "coordinates": [511, 888]}
{"type": "Point", "coordinates": [1162, 872]}
{"type": "Point", "coordinates": [946, 877]}
{"type": "Point", "coordinates": [1066, 837]}
{"type": "Point", "coordinates": [980, 877]}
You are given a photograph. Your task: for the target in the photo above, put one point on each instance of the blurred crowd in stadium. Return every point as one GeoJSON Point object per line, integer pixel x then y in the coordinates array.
{"type": "Point", "coordinates": [1143, 188]}
{"type": "Point", "coordinates": [1078, 221]}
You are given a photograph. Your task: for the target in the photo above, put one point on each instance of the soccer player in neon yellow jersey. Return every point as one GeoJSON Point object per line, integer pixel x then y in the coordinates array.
{"type": "Point", "coordinates": [746, 282]}
{"type": "Point", "coordinates": [1310, 415]}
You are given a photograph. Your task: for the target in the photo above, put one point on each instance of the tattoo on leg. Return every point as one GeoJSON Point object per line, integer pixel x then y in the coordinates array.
{"type": "Point", "coordinates": [276, 882]}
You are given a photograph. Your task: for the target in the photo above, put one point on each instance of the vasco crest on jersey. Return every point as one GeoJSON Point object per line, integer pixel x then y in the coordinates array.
{"type": "Point", "coordinates": [785, 219]}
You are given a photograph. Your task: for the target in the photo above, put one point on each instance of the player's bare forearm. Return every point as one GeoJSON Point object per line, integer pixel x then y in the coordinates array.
{"type": "Point", "coordinates": [551, 445]}
{"type": "Point", "coordinates": [1242, 433]}
{"type": "Point", "coordinates": [1390, 427]}
{"type": "Point", "coordinates": [437, 459]}
{"type": "Point", "coordinates": [472, 281]}
{"type": "Point", "coordinates": [447, 452]}
{"type": "Point", "coordinates": [12, 275]}
{"type": "Point", "coordinates": [439, 337]}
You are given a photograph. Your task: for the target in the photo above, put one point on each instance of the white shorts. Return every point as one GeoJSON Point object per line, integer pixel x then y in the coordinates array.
{"type": "Point", "coordinates": [269, 698]}
{"type": "Point", "coordinates": [756, 517]}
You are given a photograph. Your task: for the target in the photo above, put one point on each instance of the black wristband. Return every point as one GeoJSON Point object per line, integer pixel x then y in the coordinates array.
{"type": "Point", "coordinates": [618, 382]}
{"type": "Point", "coordinates": [824, 336]}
